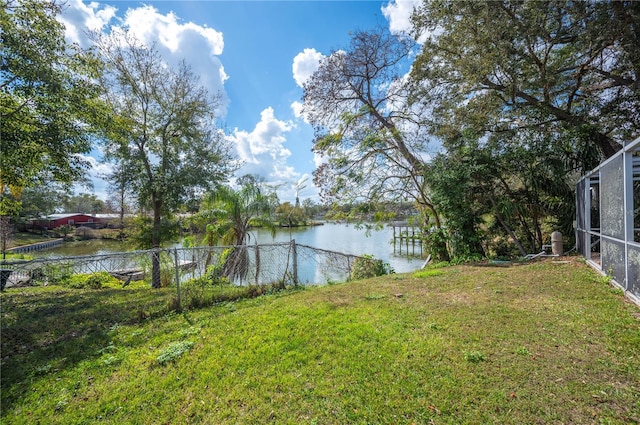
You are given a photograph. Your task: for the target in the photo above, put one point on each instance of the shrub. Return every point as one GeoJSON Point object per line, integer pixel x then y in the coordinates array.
{"type": "Point", "coordinates": [215, 272]}
{"type": "Point", "coordinates": [474, 357]}
{"type": "Point", "coordinates": [95, 280]}
{"type": "Point", "coordinates": [366, 266]}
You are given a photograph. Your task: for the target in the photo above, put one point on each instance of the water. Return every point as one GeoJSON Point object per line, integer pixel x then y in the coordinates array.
{"type": "Point", "coordinates": [347, 239]}
{"type": "Point", "coordinates": [87, 247]}
{"type": "Point", "coordinates": [338, 237]}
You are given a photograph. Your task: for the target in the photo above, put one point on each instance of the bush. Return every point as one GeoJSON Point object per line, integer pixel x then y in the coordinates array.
{"type": "Point", "coordinates": [96, 280]}
{"type": "Point", "coordinates": [366, 266]}
{"type": "Point", "coordinates": [215, 272]}
{"type": "Point", "coordinates": [54, 274]}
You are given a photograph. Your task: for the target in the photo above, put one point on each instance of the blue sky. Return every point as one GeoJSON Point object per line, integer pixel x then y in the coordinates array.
{"type": "Point", "coordinates": [256, 54]}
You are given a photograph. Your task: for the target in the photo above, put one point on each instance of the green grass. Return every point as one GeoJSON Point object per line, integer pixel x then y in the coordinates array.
{"type": "Point", "coordinates": [536, 343]}
{"type": "Point", "coordinates": [23, 238]}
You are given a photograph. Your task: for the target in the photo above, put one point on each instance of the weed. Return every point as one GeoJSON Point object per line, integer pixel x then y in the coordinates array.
{"type": "Point", "coordinates": [174, 351]}
{"type": "Point", "coordinates": [43, 370]}
{"type": "Point", "coordinates": [111, 360]}
{"type": "Point", "coordinates": [435, 327]}
{"type": "Point", "coordinates": [474, 357]}
{"type": "Point", "coordinates": [428, 273]}
{"type": "Point", "coordinates": [523, 351]}
{"type": "Point", "coordinates": [604, 279]}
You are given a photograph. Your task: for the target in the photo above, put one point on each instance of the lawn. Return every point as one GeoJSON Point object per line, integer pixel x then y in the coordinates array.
{"type": "Point", "coordinates": [547, 343]}
{"type": "Point", "coordinates": [21, 238]}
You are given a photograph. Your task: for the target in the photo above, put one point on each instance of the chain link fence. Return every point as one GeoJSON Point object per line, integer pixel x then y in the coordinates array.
{"type": "Point", "coordinates": [286, 263]}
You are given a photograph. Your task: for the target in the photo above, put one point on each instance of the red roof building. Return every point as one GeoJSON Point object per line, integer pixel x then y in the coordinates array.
{"type": "Point", "coordinates": [54, 221]}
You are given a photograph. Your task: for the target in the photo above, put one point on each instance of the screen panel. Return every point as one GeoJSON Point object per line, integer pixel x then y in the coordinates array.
{"type": "Point", "coordinates": [612, 198]}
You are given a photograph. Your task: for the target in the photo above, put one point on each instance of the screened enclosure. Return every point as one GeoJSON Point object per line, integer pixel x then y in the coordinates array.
{"type": "Point", "coordinates": [608, 218]}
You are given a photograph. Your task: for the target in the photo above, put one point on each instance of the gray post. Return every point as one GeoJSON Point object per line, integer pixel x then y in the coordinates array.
{"type": "Point", "coordinates": [295, 262]}
{"type": "Point", "coordinates": [257, 248]}
{"type": "Point", "coordinates": [556, 243]}
{"type": "Point", "coordinates": [177, 264]}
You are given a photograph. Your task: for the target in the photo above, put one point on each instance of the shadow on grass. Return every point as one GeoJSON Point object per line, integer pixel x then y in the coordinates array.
{"type": "Point", "coordinates": [52, 330]}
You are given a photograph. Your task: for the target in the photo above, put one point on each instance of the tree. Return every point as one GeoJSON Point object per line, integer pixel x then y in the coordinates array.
{"type": "Point", "coordinates": [6, 235]}
{"type": "Point", "coordinates": [372, 141]}
{"type": "Point", "coordinates": [233, 212]}
{"type": "Point", "coordinates": [525, 96]}
{"type": "Point", "coordinates": [48, 99]}
{"type": "Point", "coordinates": [567, 69]}
{"type": "Point", "coordinates": [291, 215]}
{"type": "Point", "coordinates": [83, 203]}
{"type": "Point", "coordinates": [42, 199]}
{"type": "Point", "coordinates": [163, 135]}
{"type": "Point", "coordinates": [120, 194]}
{"type": "Point", "coordinates": [505, 191]}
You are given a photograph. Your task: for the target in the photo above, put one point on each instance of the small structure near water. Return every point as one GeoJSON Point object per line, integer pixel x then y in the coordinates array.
{"type": "Point", "coordinates": [408, 236]}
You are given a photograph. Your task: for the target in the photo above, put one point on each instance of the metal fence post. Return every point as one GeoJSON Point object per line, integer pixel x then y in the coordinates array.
{"type": "Point", "coordinates": [257, 249]}
{"type": "Point", "coordinates": [295, 261]}
{"type": "Point", "coordinates": [177, 264]}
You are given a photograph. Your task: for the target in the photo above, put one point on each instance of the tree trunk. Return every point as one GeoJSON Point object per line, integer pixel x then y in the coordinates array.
{"type": "Point", "coordinates": [506, 227]}
{"type": "Point", "coordinates": [155, 243]}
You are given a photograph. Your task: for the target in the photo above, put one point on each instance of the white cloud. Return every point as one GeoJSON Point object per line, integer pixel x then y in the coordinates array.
{"type": "Point", "coordinates": [97, 168]}
{"type": "Point", "coordinates": [319, 159]}
{"type": "Point", "coordinates": [148, 26]}
{"type": "Point", "coordinates": [96, 173]}
{"type": "Point", "coordinates": [296, 107]}
{"type": "Point", "coordinates": [78, 18]}
{"type": "Point", "coordinates": [398, 13]}
{"type": "Point", "coordinates": [262, 150]}
{"type": "Point", "coordinates": [199, 46]}
{"type": "Point", "coordinates": [305, 64]}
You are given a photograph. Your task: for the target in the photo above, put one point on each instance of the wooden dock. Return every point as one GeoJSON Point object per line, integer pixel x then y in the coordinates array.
{"type": "Point", "coordinates": [408, 236]}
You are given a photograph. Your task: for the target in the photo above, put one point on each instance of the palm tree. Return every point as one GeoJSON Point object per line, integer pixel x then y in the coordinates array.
{"type": "Point", "coordinates": [235, 212]}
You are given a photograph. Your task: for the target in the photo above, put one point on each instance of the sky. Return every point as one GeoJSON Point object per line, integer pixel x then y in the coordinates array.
{"type": "Point", "coordinates": [256, 55]}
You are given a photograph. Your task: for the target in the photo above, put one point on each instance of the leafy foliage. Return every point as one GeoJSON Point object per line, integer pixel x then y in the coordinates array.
{"type": "Point", "coordinates": [232, 213]}
{"type": "Point", "coordinates": [48, 100]}
{"type": "Point", "coordinates": [162, 135]}
{"type": "Point", "coordinates": [367, 266]}
{"type": "Point", "coordinates": [549, 66]}
{"type": "Point", "coordinates": [95, 280]}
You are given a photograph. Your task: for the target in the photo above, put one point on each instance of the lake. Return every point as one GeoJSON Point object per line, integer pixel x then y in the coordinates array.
{"type": "Point", "coordinates": [339, 237]}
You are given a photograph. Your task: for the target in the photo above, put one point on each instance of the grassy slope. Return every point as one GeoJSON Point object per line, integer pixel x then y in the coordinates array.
{"type": "Point", "coordinates": [18, 239]}
{"type": "Point", "coordinates": [539, 343]}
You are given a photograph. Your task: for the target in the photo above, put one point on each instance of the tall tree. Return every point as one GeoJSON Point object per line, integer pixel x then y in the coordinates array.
{"type": "Point", "coordinates": [566, 68]}
{"type": "Point", "coordinates": [83, 203]}
{"type": "Point", "coordinates": [48, 97]}
{"type": "Point", "coordinates": [41, 199]}
{"type": "Point", "coordinates": [525, 95]}
{"type": "Point", "coordinates": [371, 139]}
{"type": "Point", "coordinates": [120, 199]}
{"type": "Point", "coordinates": [163, 132]}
